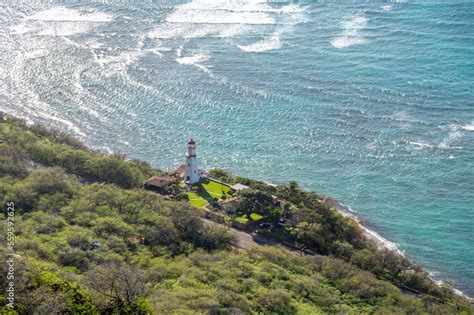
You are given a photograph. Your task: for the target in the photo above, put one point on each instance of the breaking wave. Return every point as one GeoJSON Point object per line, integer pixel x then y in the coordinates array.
{"type": "Point", "coordinates": [453, 135]}
{"type": "Point", "coordinates": [60, 21]}
{"type": "Point", "coordinates": [469, 127]}
{"type": "Point", "coordinates": [71, 15]}
{"type": "Point", "coordinates": [223, 19]}
{"type": "Point", "coordinates": [271, 43]}
{"type": "Point", "coordinates": [193, 60]}
{"type": "Point", "coordinates": [351, 32]}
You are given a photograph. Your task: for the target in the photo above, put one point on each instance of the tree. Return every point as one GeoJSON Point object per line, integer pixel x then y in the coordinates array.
{"type": "Point", "coordinates": [74, 160]}
{"type": "Point", "coordinates": [275, 301]}
{"type": "Point", "coordinates": [12, 161]}
{"type": "Point", "coordinates": [74, 257]}
{"type": "Point", "coordinates": [48, 181]}
{"type": "Point", "coordinates": [114, 170]}
{"type": "Point", "coordinates": [220, 174]}
{"type": "Point", "coordinates": [113, 226]}
{"type": "Point", "coordinates": [295, 194]}
{"type": "Point", "coordinates": [124, 288]}
{"type": "Point", "coordinates": [216, 237]}
{"type": "Point", "coordinates": [173, 189]}
{"type": "Point", "coordinates": [186, 220]}
{"type": "Point", "coordinates": [256, 201]}
{"type": "Point", "coordinates": [157, 229]}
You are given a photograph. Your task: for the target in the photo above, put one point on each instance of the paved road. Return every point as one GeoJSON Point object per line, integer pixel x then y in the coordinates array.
{"type": "Point", "coordinates": [244, 240]}
{"type": "Point", "coordinates": [247, 240]}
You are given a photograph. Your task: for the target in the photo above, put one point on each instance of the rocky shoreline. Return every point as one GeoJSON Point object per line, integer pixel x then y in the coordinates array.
{"type": "Point", "coordinates": [379, 240]}
{"type": "Point", "coordinates": [375, 237]}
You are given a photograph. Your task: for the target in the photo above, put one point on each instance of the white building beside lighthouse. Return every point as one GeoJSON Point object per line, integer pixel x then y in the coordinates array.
{"type": "Point", "coordinates": [191, 173]}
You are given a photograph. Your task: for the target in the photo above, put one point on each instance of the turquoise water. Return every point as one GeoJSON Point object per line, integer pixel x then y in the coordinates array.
{"type": "Point", "coordinates": [371, 103]}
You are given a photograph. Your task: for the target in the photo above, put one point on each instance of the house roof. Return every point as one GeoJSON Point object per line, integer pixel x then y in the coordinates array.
{"type": "Point", "coordinates": [179, 172]}
{"type": "Point", "coordinates": [161, 181]}
{"type": "Point", "coordinates": [239, 186]}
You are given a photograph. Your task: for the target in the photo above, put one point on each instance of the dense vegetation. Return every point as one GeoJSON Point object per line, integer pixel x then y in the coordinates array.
{"type": "Point", "coordinates": [89, 240]}
{"type": "Point", "coordinates": [314, 226]}
{"type": "Point", "coordinates": [56, 148]}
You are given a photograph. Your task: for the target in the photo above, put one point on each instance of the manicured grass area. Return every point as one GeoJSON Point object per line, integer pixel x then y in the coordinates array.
{"type": "Point", "coordinates": [214, 189]}
{"type": "Point", "coordinates": [205, 192]}
{"type": "Point", "coordinates": [243, 219]}
{"type": "Point", "coordinates": [192, 195]}
{"type": "Point", "coordinates": [196, 200]}
{"type": "Point", "coordinates": [198, 203]}
{"type": "Point", "coordinates": [256, 216]}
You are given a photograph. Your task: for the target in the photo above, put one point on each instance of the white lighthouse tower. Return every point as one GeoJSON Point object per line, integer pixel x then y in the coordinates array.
{"type": "Point", "coordinates": [191, 173]}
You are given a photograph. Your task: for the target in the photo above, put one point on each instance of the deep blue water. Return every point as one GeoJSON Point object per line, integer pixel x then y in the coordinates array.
{"type": "Point", "coordinates": [371, 103]}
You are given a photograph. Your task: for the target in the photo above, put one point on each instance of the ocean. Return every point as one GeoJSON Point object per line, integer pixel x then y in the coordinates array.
{"type": "Point", "coordinates": [371, 103]}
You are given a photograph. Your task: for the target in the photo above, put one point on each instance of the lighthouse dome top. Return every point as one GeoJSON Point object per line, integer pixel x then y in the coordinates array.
{"type": "Point", "coordinates": [191, 141]}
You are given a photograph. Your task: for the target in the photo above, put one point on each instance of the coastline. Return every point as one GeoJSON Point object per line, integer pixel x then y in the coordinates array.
{"type": "Point", "coordinates": [380, 241]}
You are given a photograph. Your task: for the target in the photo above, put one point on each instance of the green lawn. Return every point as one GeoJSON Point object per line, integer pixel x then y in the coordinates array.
{"type": "Point", "coordinates": [243, 219]}
{"type": "Point", "coordinates": [206, 191]}
{"type": "Point", "coordinates": [214, 189]}
{"type": "Point", "coordinates": [196, 200]}
{"type": "Point", "coordinates": [198, 203]}
{"type": "Point", "coordinates": [256, 216]}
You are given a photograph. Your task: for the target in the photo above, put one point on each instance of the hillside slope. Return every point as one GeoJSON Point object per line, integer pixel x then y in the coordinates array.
{"type": "Point", "coordinates": [88, 239]}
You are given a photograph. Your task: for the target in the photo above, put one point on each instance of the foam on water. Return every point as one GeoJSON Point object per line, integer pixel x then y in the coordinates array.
{"type": "Point", "coordinates": [286, 25]}
{"type": "Point", "coordinates": [60, 21]}
{"type": "Point", "coordinates": [38, 53]}
{"type": "Point", "coordinates": [383, 242]}
{"type": "Point", "coordinates": [71, 15]}
{"type": "Point", "coordinates": [196, 16]}
{"type": "Point", "coordinates": [469, 127]}
{"type": "Point", "coordinates": [453, 135]}
{"type": "Point", "coordinates": [271, 43]}
{"type": "Point", "coordinates": [351, 32]}
{"type": "Point", "coordinates": [193, 60]}
{"type": "Point", "coordinates": [20, 29]}
{"type": "Point", "coordinates": [225, 19]}
{"type": "Point", "coordinates": [421, 145]}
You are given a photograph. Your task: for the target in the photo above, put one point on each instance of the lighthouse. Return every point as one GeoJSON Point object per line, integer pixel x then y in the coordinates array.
{"type": "Point", "coordinates": [191, 173]}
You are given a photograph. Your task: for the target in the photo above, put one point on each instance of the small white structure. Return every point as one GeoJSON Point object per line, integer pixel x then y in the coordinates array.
{"type": "Point", "coordinates": [239, 187]}
{"type": "Point", "coordinates": [191, 173]}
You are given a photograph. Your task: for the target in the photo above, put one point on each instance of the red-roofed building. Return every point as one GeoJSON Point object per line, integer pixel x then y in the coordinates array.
{"type": "Point", "coordinates": [179, 172]}
{"type": "Point", "coordinates": [159, 184]}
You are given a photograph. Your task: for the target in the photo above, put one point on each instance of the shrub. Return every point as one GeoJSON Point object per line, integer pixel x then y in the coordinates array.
{"type": "Point", "coordinates": [74, 257]}
{"type": "Point", "coordinates": [275, 301]}
{"type": "Point", "coordinates": [216, 237]}
{"type": "Point", "coordinates": [113, 226]}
